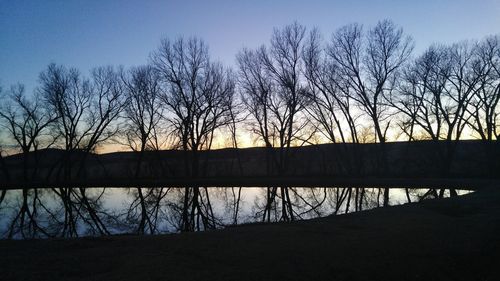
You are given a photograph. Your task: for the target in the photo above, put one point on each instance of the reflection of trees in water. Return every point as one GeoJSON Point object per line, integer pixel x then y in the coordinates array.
{"type": "Point", "coordinates": [301, 203]}
{"type": "Point", "coordinates": [62, 212]}
{"type": "Point", "coordinates": [27, 211]}
{"type": "Point", "coordinates": [65, 212]}
{"type": "Point", "coordinates": [145, 211]}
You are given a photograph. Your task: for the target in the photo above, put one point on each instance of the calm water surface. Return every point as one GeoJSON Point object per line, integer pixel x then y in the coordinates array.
{"type": "Point", "coordinates": [45, 213]}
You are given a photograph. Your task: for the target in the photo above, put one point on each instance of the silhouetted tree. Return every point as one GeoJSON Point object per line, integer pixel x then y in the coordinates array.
{"type": "Point", "coordinates": [368, 68]}
{"type": "Point", "coordinates": [25, 119]}
{"type": "Point", "coordinates": [272, 88]}
{"type": "Point", "coordinates": [143, 113]}
{"type": "Point", "coordinates": [330, 106]}
{"type": "Point", "coordinates": [86, 111]}
{"type": "Point", "coordinates": [198, 95]}
{"type": "Point", "coordinates": [459, 91]}
{"type": "Point", "coordinates": [483, 107]}
{"type": "Point", "coordinates": [421, 93]}
{"type": "Point", "coordinates": [438, 92]}
{"type": "Point", "coordinates": [26, 122]}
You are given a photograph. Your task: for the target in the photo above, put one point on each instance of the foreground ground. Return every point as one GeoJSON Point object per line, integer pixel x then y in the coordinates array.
{"type": "Point", "coordinates": [447, 239]}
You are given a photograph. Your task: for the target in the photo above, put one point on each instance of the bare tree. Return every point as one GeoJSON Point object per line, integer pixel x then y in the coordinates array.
{"type": "Point", "coordinates": [143, 114]}
{"type": "Point", "coordinates": [271, 84]}
{"type": "Point", "coordinates": [86, 111]}
{"type": "Point", "coordinates": [461, 86]}
{"type": "Point", "coordinates": [143, 111]}
{"type": "Point", "coordinates": [437, 95]}
{"type": "Point", "coordinates": [107, 102]}
{"type": "Point", "coordinates": [198, 94]}
{"type": "Point", "coordinates": [26, 122]}
{"type": "Point", "coordinates": [421, 92]}
{"type": "Point", "coordinates": [368, 68]}
{"type": "Point", "coordinates": [259, 96]}
{"type": "Point", "coordinates": [330, 107]}
{"type": "Point", "coordinates": [68, 95]}
{"type": "Point", "coordinates": [86, 108]}
{"type": "Point", "coordinates": [457, 81]}
{"type": "Point", "coordinates": [25, 119]}
{"type": "Point", "coordinates": [484, 104]}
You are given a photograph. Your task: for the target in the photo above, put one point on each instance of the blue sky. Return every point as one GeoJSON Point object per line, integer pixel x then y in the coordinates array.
{"type": "Point", "coordinates": [85, 34]}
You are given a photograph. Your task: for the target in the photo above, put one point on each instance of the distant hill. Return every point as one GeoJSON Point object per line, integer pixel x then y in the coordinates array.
{"type": "Point", "coordinates": [407, 160]}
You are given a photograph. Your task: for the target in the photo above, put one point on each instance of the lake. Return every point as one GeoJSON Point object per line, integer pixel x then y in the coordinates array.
{"type": "Point", "coordinates": [73, 212]}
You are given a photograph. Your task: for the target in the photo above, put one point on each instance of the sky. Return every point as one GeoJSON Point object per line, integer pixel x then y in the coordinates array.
{"type": "Point", "coordinates": [85, 34]}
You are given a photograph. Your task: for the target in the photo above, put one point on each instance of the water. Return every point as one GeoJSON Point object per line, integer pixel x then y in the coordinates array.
{"type": "Point", "coordinates": [46, 213]}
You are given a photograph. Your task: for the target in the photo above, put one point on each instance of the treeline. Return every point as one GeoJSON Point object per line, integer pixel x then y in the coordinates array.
{"type": "Point", "coordinates": [357, 86]}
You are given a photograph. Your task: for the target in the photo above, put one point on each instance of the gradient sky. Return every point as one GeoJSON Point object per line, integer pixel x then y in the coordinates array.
{"type": "Point", "coordinates": [85, 34]}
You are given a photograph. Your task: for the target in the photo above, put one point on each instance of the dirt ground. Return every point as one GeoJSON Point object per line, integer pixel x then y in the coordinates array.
{"type": "Point", "coordinates": [446, 239]}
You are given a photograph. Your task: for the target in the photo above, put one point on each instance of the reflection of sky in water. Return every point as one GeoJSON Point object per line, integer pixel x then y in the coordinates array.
{"type": "Point", "coordinates": [117, 201]}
